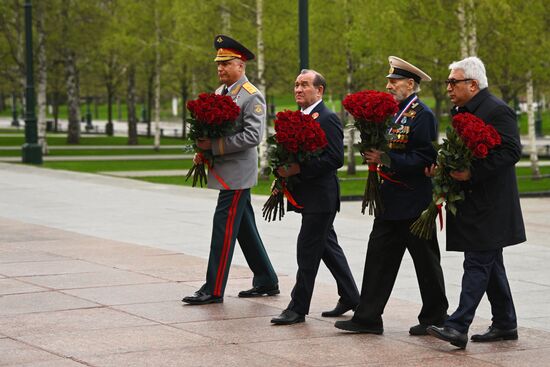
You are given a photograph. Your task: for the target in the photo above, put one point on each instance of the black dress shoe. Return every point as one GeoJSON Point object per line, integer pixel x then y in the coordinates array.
{"type": "Point", "coordinates": [450, 335]}
{"type": "Point", "coordinates": [420, 329]}
{"type": "Point", "coordinates": [201, 298]}
{"type": "Point", "coordinates": [288, 317]}
{"type": "Point", "coordinates": [493, 334]}
{"type": "Point", "coordinates": [339, 310]}
{"type": "Point", "coordinates": [354, 327]}
{"type": "Point", "coordinates": [260, 290]}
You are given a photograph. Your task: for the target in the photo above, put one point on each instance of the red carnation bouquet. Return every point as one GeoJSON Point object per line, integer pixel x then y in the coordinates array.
{"type": "Point", "coordinates": [297, 138]}
{"type": "Point", "coordinates": [372, 111]}
{"type": "Point", "coordinates": [213, 116]}
{"type": "Point", "coordinates": [469, 139]}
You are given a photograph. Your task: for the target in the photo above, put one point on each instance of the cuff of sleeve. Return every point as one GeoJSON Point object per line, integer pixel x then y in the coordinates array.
{"type": "Point", "coordinates": [218, 146]}
{"type": "Point", "coordinates": [386, 159]}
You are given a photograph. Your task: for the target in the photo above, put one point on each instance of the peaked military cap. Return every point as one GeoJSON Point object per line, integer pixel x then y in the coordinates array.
{"type": "Point", "coordinates": [229, 49]}
{"type": "Point", "coordinates": [400, 69]}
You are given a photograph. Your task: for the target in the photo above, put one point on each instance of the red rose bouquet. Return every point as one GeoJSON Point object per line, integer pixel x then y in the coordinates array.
{"type": "Point", "coordinates": [212, 116]}
{"type": "Point", "coordinates": [469, 139]}
{"type": "Point", "coordinates": [297, 138]}
{"type": "Point", "coordinates": [372, 111]}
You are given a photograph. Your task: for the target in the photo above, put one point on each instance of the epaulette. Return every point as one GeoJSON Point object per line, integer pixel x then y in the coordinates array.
{"type": "Point", "coordinates": [250, 88]}
{"type": "Point", "coordinates": [413, 110]}
{"type": "Point", "coordinates": [417, 107]}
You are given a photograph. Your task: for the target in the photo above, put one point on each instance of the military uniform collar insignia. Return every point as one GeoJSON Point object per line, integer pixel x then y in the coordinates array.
{"type": "Point", "coordinates": [236, 89]}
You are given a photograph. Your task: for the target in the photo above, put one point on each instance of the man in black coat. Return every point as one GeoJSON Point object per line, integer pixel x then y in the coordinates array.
{"type": "Point", "coordinates": [318, 192]}
{"type": "Point", "coordinates": [405, 194]}
{"type": "Point", "coordinates": [489, 218]}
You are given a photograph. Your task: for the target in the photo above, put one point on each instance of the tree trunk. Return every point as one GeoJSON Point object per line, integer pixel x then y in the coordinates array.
{"type": "Point", "coordinates": [533, 156]}
{"type": "Point", "coordinates": [467, 24]}
{"type": "Point", "coordinates": [55, 112]}
{"type": "Point", "coordinates": [226, 17]}
{"type": "Point", "coordinates": [461, 15]}
{"type": "Point", "coordinates": [351, 167]}
{"type": "Point", "coordinates": [184, 109]}
{"type": "Point", "coordinates": [472, 29]}
{"type": "Point", "coordinates": [42, 80]}
{"type": "Point", "coordinates": [157, 80]}
{"type": "Point", "coordinates": [73, 99]}
{"type": "Point", "coordinates": [119, 110]}
{"type": "Point", "coordinates": [131, 104]}
{"type": "Point", "coordinates": [150, 92]}
{"type": "Point", "coordinates": [19, 25]}
{"type": "Point", "coordinates": [109, 128]}
{"type": "Point", "coordinates": [264, 164]}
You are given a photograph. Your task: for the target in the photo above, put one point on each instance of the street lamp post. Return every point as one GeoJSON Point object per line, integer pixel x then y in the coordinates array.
{"type": "Point", "coordinates": [31, 152]}
{"type": "Point", "coordinates": [304, 34]}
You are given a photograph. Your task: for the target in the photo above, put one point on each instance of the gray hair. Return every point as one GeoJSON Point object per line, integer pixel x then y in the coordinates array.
{"type": "Point", "coordinates": [473, 69]}
{"type": "Point", "coordinates": [318, 81]}
{"type": "Point", "coordinates": [416, 87]}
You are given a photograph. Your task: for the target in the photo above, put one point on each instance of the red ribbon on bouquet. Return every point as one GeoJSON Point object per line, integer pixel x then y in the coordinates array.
{"type": "Point", "coordinates": [216, 176]}
{"type": "Point", "coordinates": [289, 197]}
{"type": "Point", "coordinates": [374, 168]}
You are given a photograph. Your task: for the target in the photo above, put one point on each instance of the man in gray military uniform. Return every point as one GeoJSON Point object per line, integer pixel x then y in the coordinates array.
{"type": "Point", "coordinates": [235, 170]}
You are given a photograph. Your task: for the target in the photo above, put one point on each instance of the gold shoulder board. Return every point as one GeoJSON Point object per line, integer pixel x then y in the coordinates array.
{"type": "Point", "coordinates": [250, 88]}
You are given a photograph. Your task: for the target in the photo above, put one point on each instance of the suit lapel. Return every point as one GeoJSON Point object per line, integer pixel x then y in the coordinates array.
{"type": "Point", "coordinates": [317, 111]}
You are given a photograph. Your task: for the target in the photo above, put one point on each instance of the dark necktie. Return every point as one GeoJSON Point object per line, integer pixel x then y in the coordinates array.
{"type": "Point", "coordinates": [225, 90]}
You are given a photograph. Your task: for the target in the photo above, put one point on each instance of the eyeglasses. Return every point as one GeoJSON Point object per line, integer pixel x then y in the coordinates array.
{"type": "Point", "coordinates": [453, 82]}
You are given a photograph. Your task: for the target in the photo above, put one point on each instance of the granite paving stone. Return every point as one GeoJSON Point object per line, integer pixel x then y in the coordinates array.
{"type": "Point", "coordinates": [13, 286]}
{"type": "Point", "coordinates": [67, 321]}
{"type": "Point", "coordinates": [108, 277]}
{"type": "Point", "coordinates": [100, 284]}
{"type": "Point", "coordinates": [80, 344]}
{"type": "Point", "coordinates": [15, 304]}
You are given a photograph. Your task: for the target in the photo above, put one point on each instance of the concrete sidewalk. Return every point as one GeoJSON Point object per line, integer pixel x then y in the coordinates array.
{"type": "Point", "coordinates": [92, 270]}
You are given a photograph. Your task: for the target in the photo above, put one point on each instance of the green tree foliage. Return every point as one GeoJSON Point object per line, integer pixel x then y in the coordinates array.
{"type": "Point", "coordinates": [350, 41]}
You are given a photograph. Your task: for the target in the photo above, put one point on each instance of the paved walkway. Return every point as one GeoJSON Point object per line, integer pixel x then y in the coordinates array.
{"type": "Point", "coordinates": [92, 269]}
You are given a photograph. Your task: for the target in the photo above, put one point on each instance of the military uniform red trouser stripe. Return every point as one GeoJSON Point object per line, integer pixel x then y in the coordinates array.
{"type": "Point", "coordinates": [227, 242]}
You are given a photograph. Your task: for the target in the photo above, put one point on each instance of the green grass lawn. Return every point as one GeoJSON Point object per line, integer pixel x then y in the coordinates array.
{"type": "Point", "coordinates": [93, 140]}
{"type": "Point", "coordinates": [12, 131]}
{"type": "Point", "coordinates": [349, 187]}
{"type": "Point", "coordinates": [357, 187]}
{"type": "Point", "coordinates": [98, 152]}
{"type": "Point", "coordinates": [101, 166]}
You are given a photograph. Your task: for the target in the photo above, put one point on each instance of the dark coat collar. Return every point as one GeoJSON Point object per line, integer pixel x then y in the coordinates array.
{"type": "Point", "coordinates": [472, 105]}
{"type": "Point", "coordinates": [404, 103]}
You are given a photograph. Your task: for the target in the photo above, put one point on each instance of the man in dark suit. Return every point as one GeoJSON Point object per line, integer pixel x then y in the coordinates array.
{"type": "Point", "coordinates": [489, 218]}
{"type": "Point", "coordinates": [318, 192]}
{"type": "Point", "coordinates": [404, 196]}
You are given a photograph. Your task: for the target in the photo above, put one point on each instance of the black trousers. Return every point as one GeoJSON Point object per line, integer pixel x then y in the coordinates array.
{"type": "Point", "coordinates": [317, 241]}
{"type": "Point", "coordinates": [234, 219]}
{"type": "Point", "coordinates": [484, 273]}
{"type": "Point", "coordinates": [387, 244]}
